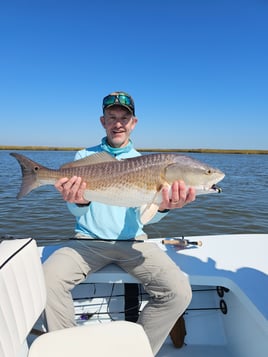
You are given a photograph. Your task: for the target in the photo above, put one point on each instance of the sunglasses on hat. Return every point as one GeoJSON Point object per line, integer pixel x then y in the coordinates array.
{"type": "Point", "coordinates": [122, 99]}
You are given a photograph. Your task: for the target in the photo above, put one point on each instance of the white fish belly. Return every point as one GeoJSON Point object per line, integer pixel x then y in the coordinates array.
{"type": "Point", "coordinates": [125, 197]}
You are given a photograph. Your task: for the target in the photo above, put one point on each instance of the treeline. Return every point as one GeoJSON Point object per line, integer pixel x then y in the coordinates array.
{"type": "Point", "coordinates": [213, 151]}
{"type": "Point", "coordinates": [38, 148]}
{"type": "Point", "coordinates": [216, 151]}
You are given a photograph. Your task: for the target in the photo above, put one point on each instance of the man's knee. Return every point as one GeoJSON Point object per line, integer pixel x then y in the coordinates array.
{"type": "Point", "coordinates": [182, 293]}
{"type": "Point", "coordinates": [64, 265]}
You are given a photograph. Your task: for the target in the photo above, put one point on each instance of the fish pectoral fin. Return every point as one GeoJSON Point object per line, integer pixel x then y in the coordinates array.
{"type": "Point", "coordinates": [147, 212]}
{"type": "Point", "coordinates": [91, 159]}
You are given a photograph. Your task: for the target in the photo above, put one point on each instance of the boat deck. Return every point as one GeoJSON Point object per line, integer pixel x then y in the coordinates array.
{"type": "Point", "coordinates": [168, 350]}
{"type": "Point", "coordinates": [245, 270]}
{"type": "Point", "coordinates": [239, 333]}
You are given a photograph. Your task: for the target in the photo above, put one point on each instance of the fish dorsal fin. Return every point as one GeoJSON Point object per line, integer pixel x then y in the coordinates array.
{"type": "Point", "coordinates": [147, 212]}
{"type": "Point", "coordinates": [91, 159]}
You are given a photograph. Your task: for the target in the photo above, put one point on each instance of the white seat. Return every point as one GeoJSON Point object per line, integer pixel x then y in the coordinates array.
{"type": "Point", "coordinates": [22, 300]}
{"type": "Point", "coordinates": [118, 339]}
{"type": "Point", "coordinates": [22, 294]}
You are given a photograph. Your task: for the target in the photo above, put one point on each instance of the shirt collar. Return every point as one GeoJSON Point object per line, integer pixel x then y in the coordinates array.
{"type": "Point", "coordinates": [115, 151]}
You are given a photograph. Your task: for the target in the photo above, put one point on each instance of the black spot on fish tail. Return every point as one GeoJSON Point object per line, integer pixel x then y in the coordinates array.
{"type": "Point", "coordinates": [29, 168]}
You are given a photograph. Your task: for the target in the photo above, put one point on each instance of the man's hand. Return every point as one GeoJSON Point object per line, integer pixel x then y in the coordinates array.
{"type": "Point", "coordinates": [72, 190]}
{"type": "Point", "coordinates": [180, 196]}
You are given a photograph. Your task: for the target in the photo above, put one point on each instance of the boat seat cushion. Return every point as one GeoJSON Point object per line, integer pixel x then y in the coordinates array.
{"type": "Point", "coordinates": [113, 339]}
{"type": "Point", "coordinates": [22, 293]}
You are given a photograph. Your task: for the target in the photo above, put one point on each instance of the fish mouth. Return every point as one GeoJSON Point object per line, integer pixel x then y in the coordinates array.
{"type": "Point", "coordinates": [216, 188]}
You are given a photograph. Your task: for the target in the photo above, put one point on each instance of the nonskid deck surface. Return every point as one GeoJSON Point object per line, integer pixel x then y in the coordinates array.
{"type": "Point", "coordinates": [168, 350]}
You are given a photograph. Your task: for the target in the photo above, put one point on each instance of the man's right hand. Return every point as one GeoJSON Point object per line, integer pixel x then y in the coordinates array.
{"type": "Point", "coordinates": [72, 190]}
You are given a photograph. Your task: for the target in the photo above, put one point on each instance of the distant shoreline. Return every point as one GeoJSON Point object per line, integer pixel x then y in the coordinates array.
{"type": "Point", "coordinates": [213, 151]}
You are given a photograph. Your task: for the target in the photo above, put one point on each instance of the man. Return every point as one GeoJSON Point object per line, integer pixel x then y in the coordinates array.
{"type": "Point", "coordinates": [109, 234]}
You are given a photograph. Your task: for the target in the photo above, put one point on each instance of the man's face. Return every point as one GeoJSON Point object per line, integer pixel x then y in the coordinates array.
{"type": "Point", "coordinates": [118, 123]}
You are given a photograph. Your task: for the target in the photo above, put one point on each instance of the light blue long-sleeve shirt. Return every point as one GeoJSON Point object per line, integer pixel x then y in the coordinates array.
{"type": "Point", "coordinates": [105, 221]}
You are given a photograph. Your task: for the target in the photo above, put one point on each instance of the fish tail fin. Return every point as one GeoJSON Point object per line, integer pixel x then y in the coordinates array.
{"type": "Point", "coordinates": [29, 170]}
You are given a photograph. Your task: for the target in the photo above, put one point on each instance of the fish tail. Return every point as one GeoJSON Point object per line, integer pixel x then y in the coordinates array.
{"type": "Point", "coordinates": [29, 170]}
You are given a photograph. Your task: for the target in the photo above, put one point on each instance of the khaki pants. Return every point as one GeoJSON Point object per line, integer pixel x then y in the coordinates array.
{"type": "Point", "coordinates": [169, 289]}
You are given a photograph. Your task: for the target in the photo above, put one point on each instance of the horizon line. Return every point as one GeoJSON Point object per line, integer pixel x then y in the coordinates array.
{"type": "Point", "coordinates": [198, 150]}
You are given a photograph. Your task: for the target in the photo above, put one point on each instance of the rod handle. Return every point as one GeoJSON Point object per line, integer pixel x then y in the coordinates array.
{"type": "Point", "coordinates": [181, 242]}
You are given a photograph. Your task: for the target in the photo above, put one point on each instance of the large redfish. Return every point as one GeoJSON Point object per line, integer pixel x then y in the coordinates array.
{"type": "Point", "coordinates": [134, 182]}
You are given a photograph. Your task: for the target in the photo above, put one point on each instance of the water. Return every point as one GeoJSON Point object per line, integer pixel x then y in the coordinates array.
{"type": "Point", "coordinates": [242, 207]}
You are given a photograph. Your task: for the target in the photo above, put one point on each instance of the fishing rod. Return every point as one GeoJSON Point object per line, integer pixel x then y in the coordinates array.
{"type": "Point", "coordinates": [180, 242]}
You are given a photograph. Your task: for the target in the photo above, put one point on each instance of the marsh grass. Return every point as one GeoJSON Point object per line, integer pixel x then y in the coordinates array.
{"type": "Point", "coordinates": [216, 151]}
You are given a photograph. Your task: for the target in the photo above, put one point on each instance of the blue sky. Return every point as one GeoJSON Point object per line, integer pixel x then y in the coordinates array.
{"type": "Point", "coordinates": [197, 69]}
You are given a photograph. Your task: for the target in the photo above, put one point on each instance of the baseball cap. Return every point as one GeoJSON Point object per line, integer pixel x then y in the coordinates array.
{"type": "Point", "coordinates": [119, 98]}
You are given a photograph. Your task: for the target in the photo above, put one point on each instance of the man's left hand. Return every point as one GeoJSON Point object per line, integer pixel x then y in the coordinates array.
{"type": "Point", "coordinates": [180, 196]}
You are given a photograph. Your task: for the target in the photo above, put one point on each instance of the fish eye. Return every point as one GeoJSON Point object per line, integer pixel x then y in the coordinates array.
{"type": "Point", "coordinates": [209, 172]}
